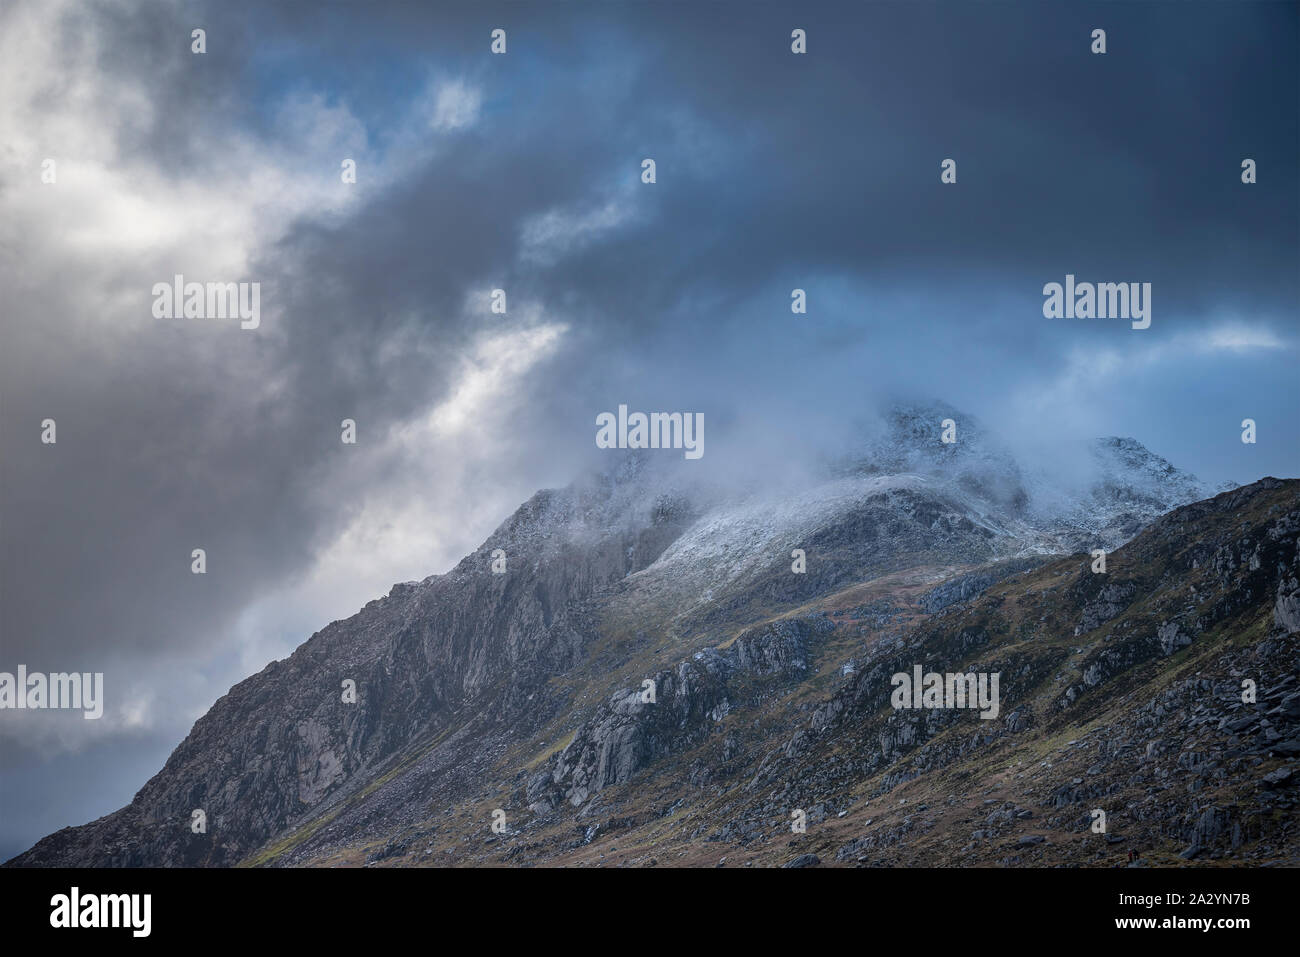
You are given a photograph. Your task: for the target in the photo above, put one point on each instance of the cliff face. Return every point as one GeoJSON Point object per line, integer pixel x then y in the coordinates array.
{"type": "Point", "coordinates": [528, 690]}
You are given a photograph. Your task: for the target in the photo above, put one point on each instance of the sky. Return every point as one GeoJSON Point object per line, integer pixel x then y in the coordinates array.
{"type": "Point", "coordinates": [522, 171]}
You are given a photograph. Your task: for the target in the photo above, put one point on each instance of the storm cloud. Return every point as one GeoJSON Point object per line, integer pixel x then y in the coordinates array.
{"type": "Point", "coordinates": [522, 172]}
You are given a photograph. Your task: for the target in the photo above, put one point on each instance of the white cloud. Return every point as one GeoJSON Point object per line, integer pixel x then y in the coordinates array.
{"type": "Point", "coordinates": [1085, 365]}
{"type": "Point", "coordinates": [546, 238]}
{"type": "Point", "coordinates": [417, 499]}
{"type": "Point", "coordinates": [456, 105]}
{"type": "Point", "coordinates": [1238, 337]}
{"type": "Point", "coordinates": [112, 205]}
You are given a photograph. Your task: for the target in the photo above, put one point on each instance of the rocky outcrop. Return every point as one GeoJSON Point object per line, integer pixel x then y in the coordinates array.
{"type": "Point", "coordinates": [963, 588]}
{"type": "Point", "coordinates": [673, 711]}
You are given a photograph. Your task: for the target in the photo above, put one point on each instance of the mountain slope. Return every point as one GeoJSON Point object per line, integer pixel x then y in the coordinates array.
{"type": "Point", "coordinates": [1121, 692]}
{"type": "Point", "coordinates": [521, 691]}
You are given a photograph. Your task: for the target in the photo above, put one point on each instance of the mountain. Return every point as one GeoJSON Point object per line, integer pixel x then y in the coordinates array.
{"type": "Point", "coordinates": [527, 692]}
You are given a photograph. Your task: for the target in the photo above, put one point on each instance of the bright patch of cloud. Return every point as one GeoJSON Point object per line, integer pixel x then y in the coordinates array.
{"type": "Point", "coordinates": [416, 497]}
{"type": "Point", "coordinates": [456, 105]}
{"type": "Point", "coordinates": [549, 237]}
{"type": "Point", "coordinates": [1237, 337]}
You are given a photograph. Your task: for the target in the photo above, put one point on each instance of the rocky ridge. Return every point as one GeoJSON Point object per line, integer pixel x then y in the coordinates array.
{"type": "Point", "coordinates": [526, 691]}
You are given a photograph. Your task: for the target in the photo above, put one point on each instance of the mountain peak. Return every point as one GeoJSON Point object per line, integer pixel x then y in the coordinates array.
{"type": "Point", "coordinates": [1124, 461]}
